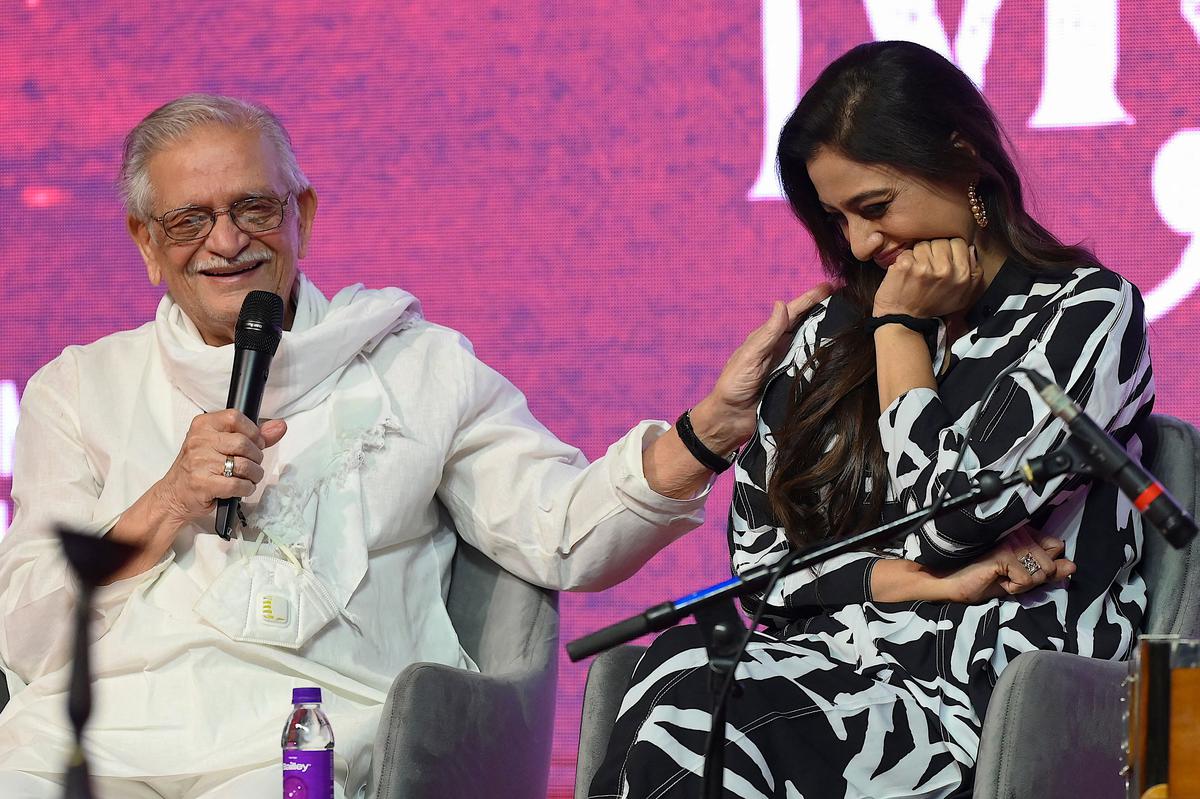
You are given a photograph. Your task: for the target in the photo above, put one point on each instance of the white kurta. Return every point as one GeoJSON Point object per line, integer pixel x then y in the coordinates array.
{"type": "Point", "coordinates": [458, 450]}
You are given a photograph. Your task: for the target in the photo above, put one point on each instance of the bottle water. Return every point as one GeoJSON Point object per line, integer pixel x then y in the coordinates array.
{"type": "Point", "coordinates": [307, 748]}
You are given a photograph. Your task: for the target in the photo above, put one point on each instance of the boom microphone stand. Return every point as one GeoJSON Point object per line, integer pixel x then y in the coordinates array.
{"type": "Point", "coordinates": [93, 559]}
{"type": "Point", "coordinates": [715, 613]}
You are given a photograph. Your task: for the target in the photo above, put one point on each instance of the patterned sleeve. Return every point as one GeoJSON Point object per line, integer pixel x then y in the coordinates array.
{"type": "Point", "coordinates": [1092, 342]}
{"type": "Point", "coordinates": [755, 537]}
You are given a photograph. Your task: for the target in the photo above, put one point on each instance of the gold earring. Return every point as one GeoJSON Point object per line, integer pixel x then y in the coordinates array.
{"type": "Point", "coordinates": [977, 209]}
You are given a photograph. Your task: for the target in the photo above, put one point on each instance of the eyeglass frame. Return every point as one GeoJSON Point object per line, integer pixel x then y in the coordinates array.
{"type": "Point", "coordinates": [285, 203]}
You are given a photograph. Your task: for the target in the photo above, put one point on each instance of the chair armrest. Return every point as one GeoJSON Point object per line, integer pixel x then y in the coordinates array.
{"type": "Point", "coordinates": [448, 732]}
{"type": "Point", "coordinates": [1054, 728]}
{"type": "Point", "coordinates": [607, 678]}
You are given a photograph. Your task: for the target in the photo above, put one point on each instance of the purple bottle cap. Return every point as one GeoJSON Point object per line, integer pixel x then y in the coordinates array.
{"type": "Point", "coordinates": [306, 696]}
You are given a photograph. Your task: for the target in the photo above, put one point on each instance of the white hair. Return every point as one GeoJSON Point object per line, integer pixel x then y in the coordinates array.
{"type": "Point", "coordinates": [178, 119]}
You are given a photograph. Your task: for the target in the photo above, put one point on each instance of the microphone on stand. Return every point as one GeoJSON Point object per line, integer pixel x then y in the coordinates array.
{"type": "Point", "coordinates": [93, 559]}
{"type": "Point", "coordinates": [1108, 459]}
{"type": "Point", "coordinates": [255, 339]}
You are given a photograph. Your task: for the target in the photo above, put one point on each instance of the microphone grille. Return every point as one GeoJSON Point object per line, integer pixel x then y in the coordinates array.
{"type": "Point", "coordinates": [260, 322]}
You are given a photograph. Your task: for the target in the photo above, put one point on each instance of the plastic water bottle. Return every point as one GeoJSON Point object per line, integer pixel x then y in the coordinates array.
{"type": "Point", "coordinates": [307, 748]}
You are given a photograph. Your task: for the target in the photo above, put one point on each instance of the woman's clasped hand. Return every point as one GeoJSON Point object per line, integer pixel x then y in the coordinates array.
{"type": "Point", "coordinates": [933, 278]}
{"type": "Point", "coordinates": [1022, 561]}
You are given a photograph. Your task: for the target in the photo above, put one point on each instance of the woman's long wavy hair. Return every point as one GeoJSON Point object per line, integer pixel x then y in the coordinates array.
{"type": "Point", "coordinates": [901, 105]}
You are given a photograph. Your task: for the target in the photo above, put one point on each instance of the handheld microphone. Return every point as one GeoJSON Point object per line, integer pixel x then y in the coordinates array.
{"type": "Point", "coordinates": [259, 329]}
{"type": "Point", "coordinates": [1108, 459]}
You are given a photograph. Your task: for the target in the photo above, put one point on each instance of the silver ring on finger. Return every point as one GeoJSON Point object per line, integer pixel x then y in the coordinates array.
{"type": "Point", "coordinates": [1030, 563]}
{"type": "Point", "coordinates": [228, 471]}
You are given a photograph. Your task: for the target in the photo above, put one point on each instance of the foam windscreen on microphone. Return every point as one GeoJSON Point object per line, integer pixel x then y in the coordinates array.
{"type": "Point", "coordinates": [260, 322]}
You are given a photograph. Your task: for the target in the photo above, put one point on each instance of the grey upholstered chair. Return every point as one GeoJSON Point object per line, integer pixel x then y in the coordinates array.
{"type": "Point", "coordinates": [1054, 727]}
{"type": "Point", "coordinates": [446, 732]}
{"type": "Point", "coordinates": [607, 678]}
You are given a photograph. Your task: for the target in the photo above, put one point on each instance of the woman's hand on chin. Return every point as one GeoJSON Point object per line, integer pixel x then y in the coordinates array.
{"type": "Point", "coordinates": [934, 278]}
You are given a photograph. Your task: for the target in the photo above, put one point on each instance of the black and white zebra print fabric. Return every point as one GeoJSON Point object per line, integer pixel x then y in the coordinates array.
{"type": "Point", "coordinates": [842, 696]}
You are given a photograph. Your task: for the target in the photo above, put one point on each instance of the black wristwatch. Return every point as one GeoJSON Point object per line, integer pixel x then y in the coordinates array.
{"type": "Point", "coordinates": [923, 326]}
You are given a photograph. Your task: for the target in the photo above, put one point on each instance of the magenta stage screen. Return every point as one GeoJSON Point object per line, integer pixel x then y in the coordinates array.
{"type": "Point", "coordinates": [586, 190]}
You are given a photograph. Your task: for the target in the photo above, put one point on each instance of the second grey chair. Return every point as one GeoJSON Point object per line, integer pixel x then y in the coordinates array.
{"type": "Point", "coordinates": [1054, 726]}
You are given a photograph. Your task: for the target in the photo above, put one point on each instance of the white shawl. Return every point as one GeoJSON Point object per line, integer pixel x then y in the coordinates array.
{"type": "Point", "coordinates": [322, 358]}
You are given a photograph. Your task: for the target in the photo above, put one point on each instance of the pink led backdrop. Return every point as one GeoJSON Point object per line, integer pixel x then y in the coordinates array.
{"type": "Point", "coordinates": [576, 186]}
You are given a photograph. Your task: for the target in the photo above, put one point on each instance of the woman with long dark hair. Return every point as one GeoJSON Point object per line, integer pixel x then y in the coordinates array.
{"type": "Point", "coordinates": [874, 672]}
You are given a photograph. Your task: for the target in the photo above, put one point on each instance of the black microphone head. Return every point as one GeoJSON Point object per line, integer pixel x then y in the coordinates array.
{"type": "Point", "coordinates": [260, 322]}
{"type": "Point", "coordinates": [1039, 382]}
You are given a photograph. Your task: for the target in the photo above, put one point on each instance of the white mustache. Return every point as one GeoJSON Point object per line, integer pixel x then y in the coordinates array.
{"type": "Point", "coordinates": [217, 262]}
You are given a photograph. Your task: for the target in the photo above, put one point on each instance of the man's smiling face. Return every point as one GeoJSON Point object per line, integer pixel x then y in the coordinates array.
{"type": "Point", "coordinates": [209, 277]}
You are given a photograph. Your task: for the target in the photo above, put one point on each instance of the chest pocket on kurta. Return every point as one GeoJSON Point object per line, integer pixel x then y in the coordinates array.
{"type": "Point", "coordinates": [355, 480]}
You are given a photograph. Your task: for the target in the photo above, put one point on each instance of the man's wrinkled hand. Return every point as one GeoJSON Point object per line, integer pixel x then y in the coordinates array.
{"type": "Point", "coordinates": [726, 417]}
{"type": "Point", "coordinates": [196, 480]}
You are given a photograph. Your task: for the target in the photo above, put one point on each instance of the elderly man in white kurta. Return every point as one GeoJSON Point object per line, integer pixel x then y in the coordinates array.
{"type": "Point", "coordinates": [386, 438]}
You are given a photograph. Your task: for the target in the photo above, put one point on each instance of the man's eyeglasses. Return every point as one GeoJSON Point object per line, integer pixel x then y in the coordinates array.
{"type": "Point", "coordinates": [250, 214]}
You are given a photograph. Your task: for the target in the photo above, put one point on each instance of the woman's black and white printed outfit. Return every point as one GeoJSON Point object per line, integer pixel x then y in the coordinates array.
{"type": "Point", "coordinates": [846, 697]}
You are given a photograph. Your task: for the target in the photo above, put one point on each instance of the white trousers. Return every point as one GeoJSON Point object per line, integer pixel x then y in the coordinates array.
{"type": "Point", "coordinates": [257, 784]}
